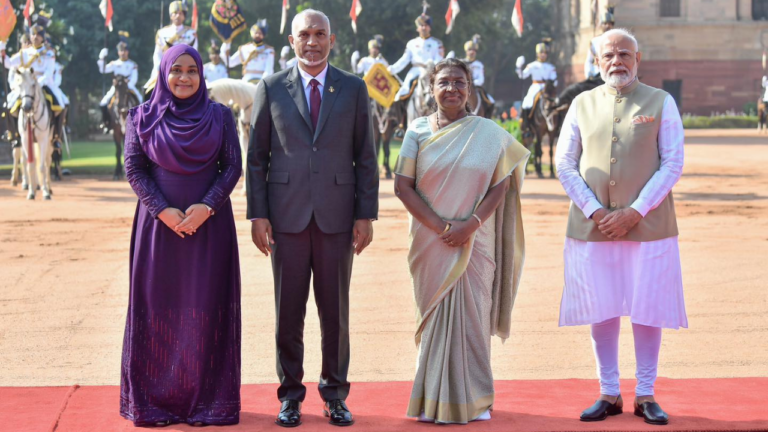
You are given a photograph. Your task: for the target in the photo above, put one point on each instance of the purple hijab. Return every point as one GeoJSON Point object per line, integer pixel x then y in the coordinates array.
{"type": "Point", "coordinates": [181, 135]}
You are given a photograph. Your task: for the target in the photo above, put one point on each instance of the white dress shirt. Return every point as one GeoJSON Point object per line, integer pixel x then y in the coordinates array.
{"type": "Point", "coordinates": [306, 78]}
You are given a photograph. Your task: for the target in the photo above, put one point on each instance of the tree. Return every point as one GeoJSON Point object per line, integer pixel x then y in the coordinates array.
{"type": "Point", "coordinates": [392, 18]}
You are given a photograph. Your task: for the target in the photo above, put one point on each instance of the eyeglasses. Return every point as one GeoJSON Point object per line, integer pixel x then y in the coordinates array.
{"type": "Point", "coordinates": [460, 85]}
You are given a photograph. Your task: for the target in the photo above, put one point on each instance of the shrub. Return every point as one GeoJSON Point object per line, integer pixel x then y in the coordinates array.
{"type": "Point", "coordinates": [719, 122]}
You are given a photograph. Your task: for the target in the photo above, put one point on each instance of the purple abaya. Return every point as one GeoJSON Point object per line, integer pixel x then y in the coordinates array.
{"type": "Point", "coordinates": [181, 351]}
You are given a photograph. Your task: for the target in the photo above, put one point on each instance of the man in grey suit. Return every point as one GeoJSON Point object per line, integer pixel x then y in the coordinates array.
{"type": "Point", "coordinates": [312, 185]}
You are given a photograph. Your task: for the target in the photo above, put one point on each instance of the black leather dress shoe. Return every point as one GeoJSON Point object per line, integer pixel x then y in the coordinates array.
{"type": "Point", "coordinates": [652, 413]}
{"type": "Point", "coordinates": [290, 414]}
{"type": "Point", "coordinates": [602, 409]}
{"type": "Point", "coordinates": [338, 413]}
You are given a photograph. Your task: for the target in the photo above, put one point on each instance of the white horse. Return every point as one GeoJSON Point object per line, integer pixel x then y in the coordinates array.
{"type": "Point", "coordinates": [35, 127]}
{"type": "Point", "coordinates": [19, 172]}
{"type": "Point", "coordinates": [238, 95]}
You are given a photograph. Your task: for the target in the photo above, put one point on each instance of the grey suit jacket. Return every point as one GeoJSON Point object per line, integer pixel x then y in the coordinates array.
{"type": "Point", "coordinates": [294, 173]}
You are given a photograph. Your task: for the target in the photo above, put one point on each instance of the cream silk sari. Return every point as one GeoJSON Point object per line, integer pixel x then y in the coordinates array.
{"type": "Point", "coordinates": [463, 294]}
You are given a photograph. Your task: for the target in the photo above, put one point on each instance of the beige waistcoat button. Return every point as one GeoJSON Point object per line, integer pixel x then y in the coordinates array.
{"type": "Point", "coordinates": [613, 160]}
{"type": "Point", "coordinates": [614, 139]}
{"type": "Point", "coordinates": [616, 119]}
{"type": "Point", "coordinates": [613, 205]}
{"type": "Point", "coordinates": [613, 183]}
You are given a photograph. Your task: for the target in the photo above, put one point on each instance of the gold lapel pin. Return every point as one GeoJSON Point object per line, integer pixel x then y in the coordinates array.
{"type": "Point", "coordinates": [330, 89]}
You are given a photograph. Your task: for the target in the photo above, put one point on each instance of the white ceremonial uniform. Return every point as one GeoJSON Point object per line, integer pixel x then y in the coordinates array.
{"type": "Point", "coordinates": [58, 70]}
{"type": "Point", "coordinates": [418, 52]}
{"type": "Point", "coordinates": [538, 71]}
{"type": "Point", "coordinates": [765, 86]}
{"type": "Point", "coordinates": [42, 61]}
{"type": "Point", "coordinates": [366, 63]}
{"type": "Point", "coordinates": [167, 37]}
{"type": "Point", "coordinates": [591, 69]}
{"type": "Point", "coordinates": [258, 61]}
{"type": "Point", "coordinates": [285, 64]}
{"type": "Point", "coordinates": [128, 69]}
{"type": "Point", "coordinates": [14, 93]}
{"type": "Point", "coordinates": [214, 72]}
{"type": "Point", "coordinates": [478, 72]}
{"type": "Point", "coordinates": [649, 270]}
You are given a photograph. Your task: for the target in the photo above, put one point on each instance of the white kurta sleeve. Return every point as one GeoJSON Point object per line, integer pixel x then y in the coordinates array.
{"type": "Point", "coordinates": [404, 61]}
{"type": "Point", "coordinates": [567, 159]}
{"type": "Point", "coordinates": [671, 143]}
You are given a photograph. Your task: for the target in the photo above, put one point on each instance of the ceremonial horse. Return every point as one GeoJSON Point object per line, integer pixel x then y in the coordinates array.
{"type": "Point", "coordinates": [385, 121]}
{"type": "Point", "coordinates": [541, 124]}
{"type": "Point", "coordinates": [419, 102]}
{"type": "Point", "coordinates": [11, 135]}
{"type": "Point", "coordinates": [35, 127]}
{"type": "Point", "coordinates": [238, 95]}
{"type": "Point", "coordinates": [762, 116]}
{"type": "Point", "coordinates": [479, 104]}
{"type": "Point", "coordinates": [121, 102]}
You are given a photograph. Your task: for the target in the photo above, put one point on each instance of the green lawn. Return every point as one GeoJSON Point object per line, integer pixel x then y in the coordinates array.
{"type": "Point", "coordinates": [88, 158]}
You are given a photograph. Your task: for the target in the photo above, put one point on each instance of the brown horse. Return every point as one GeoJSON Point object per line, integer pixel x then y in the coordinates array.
{"type": "Point", "coordinates": [385, 121]}
{"type": "Point", "coordinates": [479, 104]}
{"type": "Point", "coordinates": [123, 100]}
{"type": "Point", "coordinates": [762, 116]}
{"type": "Point", "coordinates": [541, 123]}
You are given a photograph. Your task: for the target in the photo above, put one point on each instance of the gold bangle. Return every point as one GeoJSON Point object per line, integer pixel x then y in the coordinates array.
{"type": "Point", "coordinates": [447, 227]}
{"type": "Point", "coordinates": [480, 221]}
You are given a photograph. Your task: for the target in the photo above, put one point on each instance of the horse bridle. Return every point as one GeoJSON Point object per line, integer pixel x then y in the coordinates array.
{"type": "Point", "coordinates": [34, 98]}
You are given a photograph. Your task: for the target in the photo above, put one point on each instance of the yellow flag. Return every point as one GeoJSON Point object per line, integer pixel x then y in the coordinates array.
{"type": "Point", "coordinates": [382, 86]}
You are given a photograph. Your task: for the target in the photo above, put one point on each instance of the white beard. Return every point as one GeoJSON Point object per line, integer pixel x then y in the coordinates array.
{"type": "Point", "coordinates": [312, 63]}
{"type": "Point", "coordinates": [617, 80]}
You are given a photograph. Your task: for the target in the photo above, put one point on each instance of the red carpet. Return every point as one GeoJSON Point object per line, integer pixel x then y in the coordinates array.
{"type": "Point", "coordinates": [737, 404]}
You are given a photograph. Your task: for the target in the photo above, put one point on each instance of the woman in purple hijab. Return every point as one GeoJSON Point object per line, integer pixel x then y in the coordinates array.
{"type": "Point", "coordinates": [181, 350]}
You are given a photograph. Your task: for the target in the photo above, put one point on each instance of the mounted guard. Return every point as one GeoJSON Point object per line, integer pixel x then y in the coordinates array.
{"type": "Point", "coordinates": [256, 57]}
{"type": "Point", "coordinates": [170, 35]}
{"type": "Point", "coordinates": [418, 53]}
{"type": "Point", "coordinates": [361, 66]}
{"type": "Point", "coordinates": [215, 69]}
{"type": "Point", "coordinates": [540, 71]}
{"type": "Point", "coordinates": [124, 67]}
{"type": "Point", "coordinates": [485, 100]}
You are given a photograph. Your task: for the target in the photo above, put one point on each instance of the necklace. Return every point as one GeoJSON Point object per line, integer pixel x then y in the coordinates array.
{"type": "Point", "coordinates": [437, 119]}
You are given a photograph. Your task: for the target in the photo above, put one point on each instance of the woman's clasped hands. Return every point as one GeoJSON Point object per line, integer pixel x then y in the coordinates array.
{"type": "Point", "coordinates": [459, 232]}
{"type": "Point", "coordinates": [184, 222]}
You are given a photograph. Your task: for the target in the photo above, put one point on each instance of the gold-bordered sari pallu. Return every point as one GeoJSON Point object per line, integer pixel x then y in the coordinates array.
{"type": "Point", "coordinates": [464, 295]}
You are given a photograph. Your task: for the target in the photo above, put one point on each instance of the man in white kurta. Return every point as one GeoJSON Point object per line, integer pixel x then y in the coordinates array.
{"type": "Point", "coordinates": [619, 155]}
{"type": "Point", "coordinates": [418, 53]}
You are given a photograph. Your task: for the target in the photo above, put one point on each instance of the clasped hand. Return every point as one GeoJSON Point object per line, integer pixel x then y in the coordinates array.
{"type": "Point", "coordinates": [460, 232]}
{"type": "Point", "coordinates": [616, 224]}
{"type": "Point", "coordinates": [184, 222]}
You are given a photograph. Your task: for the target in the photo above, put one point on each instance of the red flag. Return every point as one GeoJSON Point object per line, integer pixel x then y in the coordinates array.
{"type": "Point", "coordinates": [450, 15]}
{"type": "Point", "coordinates": [284, 19]}
{"type": "Point", "coordinates": [357, 7]}
{"type": "Point", "coordinates": [106, 11]}
{"type": "Point", "coordinates": [194, 15]}
{"type": "Point", "coordinates": [29, 9]}
{"type": "Point", "coordinates": [517, 18]}
{"type": "Point", "coordinates": [7, 20]}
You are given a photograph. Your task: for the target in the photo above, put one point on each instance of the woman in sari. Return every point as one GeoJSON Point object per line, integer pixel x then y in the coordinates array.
{"type": "Point", "coordinates": [181, 351]}
{"type": "Point", "coordinates": [459, 176]}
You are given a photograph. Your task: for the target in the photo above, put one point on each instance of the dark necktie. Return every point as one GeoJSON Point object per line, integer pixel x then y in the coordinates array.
{"type": "Point", "coordinates": [314, 102]}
